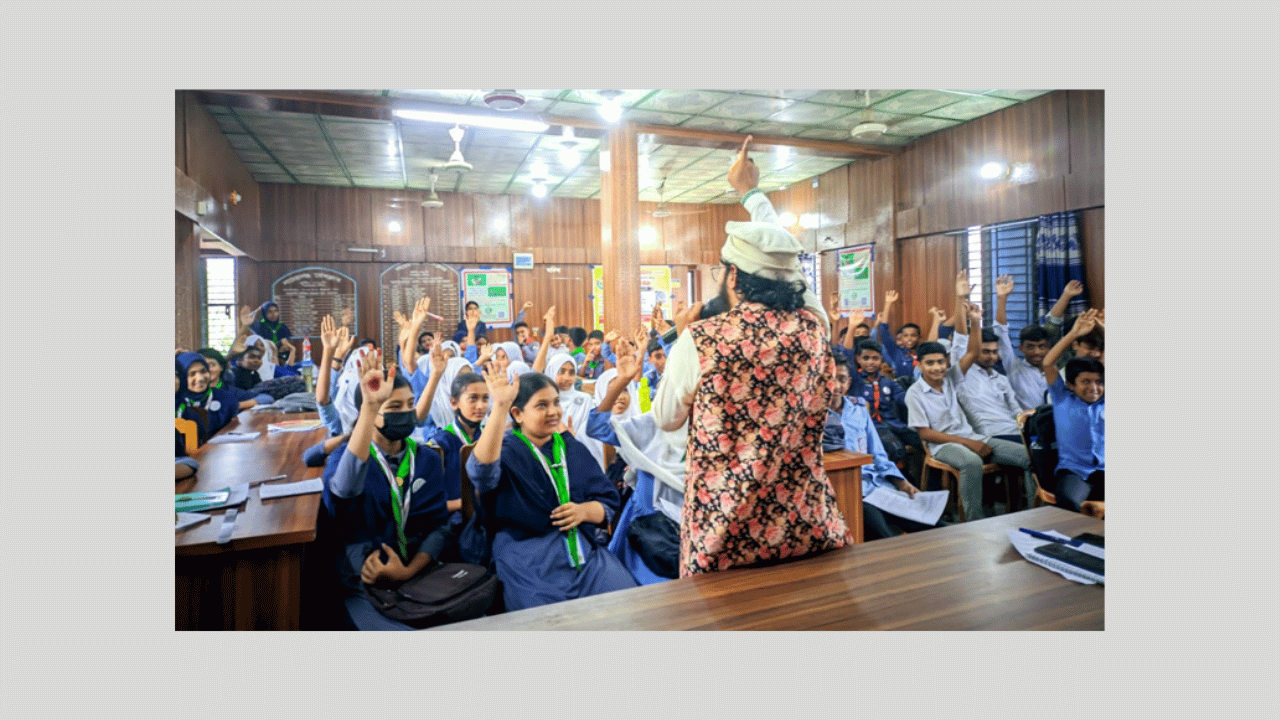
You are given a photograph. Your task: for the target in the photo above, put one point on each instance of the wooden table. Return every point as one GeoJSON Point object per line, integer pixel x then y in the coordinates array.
{"type": "Point", "coordinates": [961, 577]}
{"type": "Point", "coordinates": [254, 581]}
{"type": "Point", "coordinates": [844, 470]}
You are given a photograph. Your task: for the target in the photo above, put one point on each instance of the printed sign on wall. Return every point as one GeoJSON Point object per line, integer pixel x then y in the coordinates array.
{"type": "Point", "coordinates": [856, 279]}
{"type": "Point", "coordinates": [655, 289]}
{"type": "Point", "coordinates": [490, 288]}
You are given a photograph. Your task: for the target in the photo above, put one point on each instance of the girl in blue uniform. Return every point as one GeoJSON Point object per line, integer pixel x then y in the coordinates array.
{"type": "Point", "coordinates": [385, 494]}
{"type": "Point", "coordinates": [211, 408]}
{"type": "Point", "coordinates": [545, 499]}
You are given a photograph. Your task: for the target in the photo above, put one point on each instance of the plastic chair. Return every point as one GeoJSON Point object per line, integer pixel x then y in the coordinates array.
{"type": "Point", "coordinates": [950, 474]}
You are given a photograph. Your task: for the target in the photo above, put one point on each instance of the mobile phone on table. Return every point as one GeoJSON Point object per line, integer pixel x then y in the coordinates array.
{"type": "Point", "coordinates": [1091, 538]}
{"type": "Point", "coordinates": [1074, 558]}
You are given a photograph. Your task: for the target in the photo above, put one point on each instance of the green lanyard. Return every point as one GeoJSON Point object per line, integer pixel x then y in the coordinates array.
{"type": "Point", "coordinates": [559, 474]}
{"type": "Point", "coordinates": [186, 404]}
{"type": "Point", "coordinates": [399, 508]}
{"type": "Point", "coordinates": [453, 428]}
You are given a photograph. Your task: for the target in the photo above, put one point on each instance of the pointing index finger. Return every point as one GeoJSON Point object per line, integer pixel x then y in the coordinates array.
{"type": "Point", "coordinates": [742, 153]}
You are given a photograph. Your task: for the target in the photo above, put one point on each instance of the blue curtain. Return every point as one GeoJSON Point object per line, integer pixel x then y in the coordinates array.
{"type": "Point", "coordinates": [1058, 262]}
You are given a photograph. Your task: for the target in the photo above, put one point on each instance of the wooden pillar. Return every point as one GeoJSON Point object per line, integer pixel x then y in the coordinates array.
{"type": "Point", "coordinates": [186, 275]}
{"type": "Point", "coordinates": [619, 230]}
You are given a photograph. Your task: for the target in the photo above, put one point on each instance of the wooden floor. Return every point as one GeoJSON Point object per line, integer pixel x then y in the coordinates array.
{"type": "Point", "coordinates": [962, 577]}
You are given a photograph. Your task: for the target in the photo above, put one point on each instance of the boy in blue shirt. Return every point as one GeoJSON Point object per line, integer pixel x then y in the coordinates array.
{"type": "Point", "coordinates": [1079, 419]}
{"type": "Point", "coordinates": [881, 396]}
{"type": "Point", "coordinates": [899, 351]}
{"type": "Point", "coordinates": [850, 426]}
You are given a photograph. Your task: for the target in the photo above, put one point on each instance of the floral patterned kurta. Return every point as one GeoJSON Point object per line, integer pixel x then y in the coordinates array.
{"type": "Point", "coordinates": [755, 489]}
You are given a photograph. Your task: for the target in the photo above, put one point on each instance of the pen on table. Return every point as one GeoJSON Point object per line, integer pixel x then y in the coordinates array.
{"type": "Point", "coordinates": [255, 483]}
{"type": "Point", "coordinates": [1050, 538]}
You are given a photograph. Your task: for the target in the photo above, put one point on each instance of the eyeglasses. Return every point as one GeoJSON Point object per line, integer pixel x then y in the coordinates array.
{"type": "Point", "coordinates": [717, 273]}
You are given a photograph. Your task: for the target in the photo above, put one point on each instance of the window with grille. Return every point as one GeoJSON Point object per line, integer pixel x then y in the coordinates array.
{"type": "Point", "coordinates": [996, 250]}
{"type": "Point", "coordinates": [219, 302]}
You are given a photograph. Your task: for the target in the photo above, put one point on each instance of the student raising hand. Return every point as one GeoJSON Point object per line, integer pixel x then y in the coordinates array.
{"type": "Point", "coordinates": [375, 384]}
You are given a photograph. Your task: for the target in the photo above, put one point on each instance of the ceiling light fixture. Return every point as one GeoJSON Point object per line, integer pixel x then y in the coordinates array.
{"type": "Point", "coordinates": [504, 100]}
{"type": "Point", "coordinates": [648, 235]}
{"type": "Point", "coordinates": [993, 170]}
{"type": "Point", "coordinates": [611, 109]}
{"type": "Point", "coordinates": [393, 226]}
{"type": "Point", "coordinates": [538, 169]}
{"type": "Point", "coordinates": [567, 139]}
{"type": "Point", "coordinates": [495, 122]}
{"type": "Point", "coordinates": [539, 190]}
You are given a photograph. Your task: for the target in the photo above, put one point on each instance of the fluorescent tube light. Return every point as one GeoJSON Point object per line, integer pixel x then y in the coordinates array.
{"type": "Point", "coordinates": [498, 123]}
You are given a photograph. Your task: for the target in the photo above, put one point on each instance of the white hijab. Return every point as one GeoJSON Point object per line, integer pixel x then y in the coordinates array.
{"type": "Point", "coordinates": [344, 399]}
{"type": "Point", "coordinates": [516, 369]}
{"type": "Point", "coordinates": [633, 389]}
{"type": "Point", "coordinates": [576, 405]}
{"type": "Point", "coordinates": [511, 350]}
{"type": "Point", "coordinates": [441, 408]}
{"type": "Point", "coordinates": [268, 369]}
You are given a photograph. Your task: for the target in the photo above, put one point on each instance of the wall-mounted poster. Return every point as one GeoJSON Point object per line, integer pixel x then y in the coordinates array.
{"type": "Point", "coordinates": [491, 289]}
{"type": "Point", "coordinates": [401, 286]}
{"type": "Point", "coordinates": [655, 289]}
{"type": "Point", "coordinates": [307, 294]}
{"type": "Point", "coordinates": [856, 278]}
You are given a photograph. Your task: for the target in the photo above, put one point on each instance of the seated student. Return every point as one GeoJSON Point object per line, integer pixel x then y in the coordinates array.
{"type": "Point", "coordinates": [245, 367]}
{"type": "Point", "coordinates": [575, 404]}
{"type": "Point", "coordinates": [1079, 420]}
{"type": "Point", "coordinates": [658, 361]}
{"type": "Point", "coordinates": [524, 338]}
{"type": "Point", "coordinates": [221, 377]}
{"type": "Point", "coordinates": [268, 324]}
{"type": "Point", "coordinates": [505, 353]}
{"type": "Point", "coordinates": [593, 363]}
{"type": "Point", "coordinates": [1090, 345]}
{"type": "Point", "coordinates": [478, 328]}
{"type": "Point", "coordinates": [331, 340]}
{"type": "Point", "coordinates": [195, 399]}
{"type": "Point", "coordinates": [576, 337]}
{"type": "Point", "coordinates": [933, 410]}
{"type": "Point", "coordinates": [184, 467]}
{"type": "Point", "coordinates": [1025, 375]}
{"type": "Point", "coordinates": [881, 396]}
{"type": "Point", "coordinates": [986, 395]}
{"type": "Point", "coordinates": [391, 512]}
{"type": "Point", "coordinates": [850, 427]}
{"type": "Point", "coordinates": [899, 351]}
{"type": "Point", "coordinates": [546, 501]}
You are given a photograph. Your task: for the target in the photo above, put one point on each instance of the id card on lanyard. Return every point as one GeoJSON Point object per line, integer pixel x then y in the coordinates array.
{"type": "Point", "coordinates": [558, 472]}
{"type": "Point", "coordinates": [399, 507]}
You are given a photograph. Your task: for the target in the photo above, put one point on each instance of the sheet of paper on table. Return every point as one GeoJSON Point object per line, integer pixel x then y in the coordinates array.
{"type": "Point", "coordinates": [189, 519]}
{"type": "Point", "coordinates": [302, 487]}
{"type": "Point", "coordinates": [925, 507]}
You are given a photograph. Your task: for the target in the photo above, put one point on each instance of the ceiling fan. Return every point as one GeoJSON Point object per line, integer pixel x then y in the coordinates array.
{"type": "Point", "coordinates": [661, 211]}
{"type": "Point", "coordinates": [868, 130]}
{"type": "Point", "coordinates": [433, 201]}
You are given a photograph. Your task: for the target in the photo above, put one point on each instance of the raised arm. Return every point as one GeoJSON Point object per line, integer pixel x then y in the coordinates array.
{"type": "Point", "coordinates": [1069, 293]}
{"type": "Point", "coordinates": [1084, 325]}
{"type": "Point", "coordinates": [626, 373]}
{"type": "Point", "coordinates": [502, 393]}
{"type": "Point", "coordinates": [375, 387]}
{"type": "Point", "coordinates": [890, 298]}
{"type": "Point", "coordinates": [549, 321]}
{"type": "Point", "coordinates": [438, 363]}
{"type": "Point", "coordinates": [975, 343]}
{"type": "Point", "coordinates": [331, 338]}
{"type": "Point", "coordinates": [1004, 286]}
{"type": "Point", "coordinates": [409, 336]}
{"type": "Point", "coordinates": [937, 317]}
{"type": "Point", "coordinates": [247, 317]}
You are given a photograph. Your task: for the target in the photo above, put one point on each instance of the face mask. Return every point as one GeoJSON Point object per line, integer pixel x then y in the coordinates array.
{"type": "Point", "coordinates": [397, 426]}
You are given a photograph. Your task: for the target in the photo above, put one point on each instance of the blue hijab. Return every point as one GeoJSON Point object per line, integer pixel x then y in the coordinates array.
{"type": "Point", "coordinates": [212, 409]}
{"type": "Point", "coordinates": [273, 331]}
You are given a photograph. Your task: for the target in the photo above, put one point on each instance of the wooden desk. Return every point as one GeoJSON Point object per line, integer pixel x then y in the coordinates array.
{"type": "Point", "coordinates": [844, 470]}
{"type": "Point", "coordinates": [961, 577]}
{"type": "Point", "coordinates": [254, 581]}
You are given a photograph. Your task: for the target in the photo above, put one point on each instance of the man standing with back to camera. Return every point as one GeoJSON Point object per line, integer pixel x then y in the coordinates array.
{"type": "Point", "coordinates": [754, 383]}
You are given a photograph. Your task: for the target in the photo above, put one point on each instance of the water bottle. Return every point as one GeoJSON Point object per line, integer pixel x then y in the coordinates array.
{"type": "Point", "coordinates": [308, 369]}
{"type": "Point", "coordinates": [644, 394]}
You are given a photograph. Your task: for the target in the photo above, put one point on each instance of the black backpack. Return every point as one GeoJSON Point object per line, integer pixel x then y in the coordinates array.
{"type": "Point", "coordinates": [442, 593]}
{"type": "Point", "coordinates": [1041, 437]}
{"type": "Point", "coordinates": [656, 538]}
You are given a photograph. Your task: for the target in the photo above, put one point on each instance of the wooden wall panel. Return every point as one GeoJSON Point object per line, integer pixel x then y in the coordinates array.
{"type": "Point", "coordinates": [186, 277]}
{"type": "Point", "coordinates": [1093, 247]}
{"type": "Point", "coordinates": [398, 206]}
{"type": "Point", "coordinates": [342, 217]}
{"type": "Point", "coordinates": [249, 283]}
{"type": "Point", "coordinates": [289, 222]}
{"type": "Point", "coordinates": [180, 131]}
{"type": "Point", "coordinates": [492, 228]}
{"type": "Point", "coordinates": [927, 269]}
{"type": "Point", "coordinates": [1086, 185]}
{"type": "Point", "coordinates": [871, 212]}
{"type": "Point", "coordinates": [213, 164]}
{"type": "Point", "coordinates": [833, 194]}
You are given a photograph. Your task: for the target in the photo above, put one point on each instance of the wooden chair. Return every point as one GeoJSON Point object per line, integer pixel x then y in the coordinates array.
{"type": "Point", "coordinates": [949, 474]}
{"type": "Point", "coordinates": [190, 435]}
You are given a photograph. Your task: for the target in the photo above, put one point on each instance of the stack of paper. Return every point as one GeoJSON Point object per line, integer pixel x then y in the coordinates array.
{"type": "Point", "coordinates": [1026, 545]}
{"type": "Point", "coordinates": [925, 507]}
{"type": "Point", "coordinates": [303, 487]}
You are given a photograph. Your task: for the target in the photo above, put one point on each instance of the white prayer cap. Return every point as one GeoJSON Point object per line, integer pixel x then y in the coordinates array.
{"type": "Point", "coordinates": [769, 251]}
